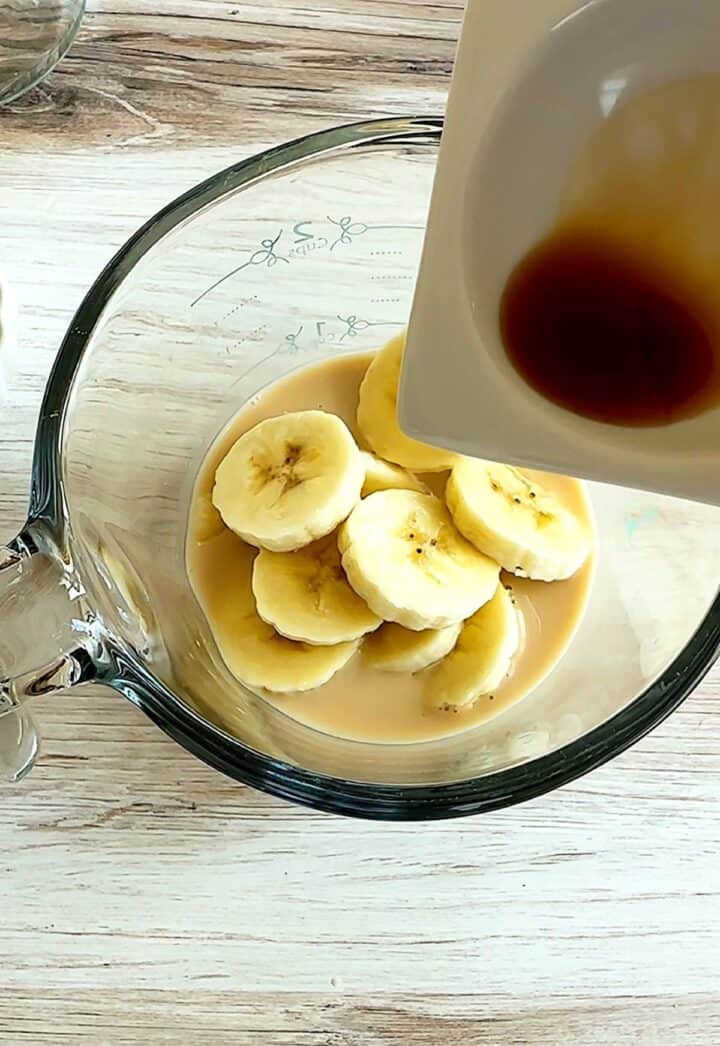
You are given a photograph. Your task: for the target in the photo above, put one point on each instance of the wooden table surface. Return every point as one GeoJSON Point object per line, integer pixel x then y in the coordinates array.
{"type": "Point", "coordinates": [143, 898]}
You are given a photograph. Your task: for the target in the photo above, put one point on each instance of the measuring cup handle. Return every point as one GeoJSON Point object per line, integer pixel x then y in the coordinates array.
{"type": "Point", "coordinates": [44, 645]}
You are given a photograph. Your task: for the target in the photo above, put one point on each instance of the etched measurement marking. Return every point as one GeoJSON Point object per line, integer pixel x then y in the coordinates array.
{"type": "Point", "coordinates": [350, 229]}
{"type": "Point", "coordinates": [265, 254]}
{"type": "Point", "coordinates": [355, 325]}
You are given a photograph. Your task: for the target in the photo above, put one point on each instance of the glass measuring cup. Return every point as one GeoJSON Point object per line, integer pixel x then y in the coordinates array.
{"type": "Point", "coordinates": [305, 252]}
{"type": "Point", "coordinates": [34, 35]}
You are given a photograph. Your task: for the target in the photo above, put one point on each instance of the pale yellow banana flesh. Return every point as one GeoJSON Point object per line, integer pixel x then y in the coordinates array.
{"type": "Point", "coordinates": [403, 555]}
{"type": "Point", "coordinates": [482, 656]}
{"type": "Point", "coordinates": [396, 649]}
{"type": "Point", "coordinates": [290, 480]}
{"type": "Point", "coordinates": [252, 650]}
{"type": "Point", "coordinates": [383, 475]}
{"type": "Point", "coordinates": [515, 521]}
{"type": "Point", "coordinates": [377, 415]}
{"type": "Point", "coordinates": [305, 595]}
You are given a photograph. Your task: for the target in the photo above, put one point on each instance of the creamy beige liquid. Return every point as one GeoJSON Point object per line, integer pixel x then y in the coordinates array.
{"type": "Point", "coordinates": [360, 702]}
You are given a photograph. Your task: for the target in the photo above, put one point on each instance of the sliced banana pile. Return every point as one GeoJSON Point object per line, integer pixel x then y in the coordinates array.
{"type": "Point", "coordinates": [342, 547]}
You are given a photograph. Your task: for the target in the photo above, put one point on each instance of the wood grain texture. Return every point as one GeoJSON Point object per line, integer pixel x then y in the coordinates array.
{"type": "Point", "coordinates": [195, 74]}
{"type": "Point", "coordinates": [363, 1020]}
{"type": "Point", "coordinates": [143, 898]}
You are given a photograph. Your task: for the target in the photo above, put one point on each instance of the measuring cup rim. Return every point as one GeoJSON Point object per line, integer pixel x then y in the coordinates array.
{"type": "Point", "coordinates": [132, 678]}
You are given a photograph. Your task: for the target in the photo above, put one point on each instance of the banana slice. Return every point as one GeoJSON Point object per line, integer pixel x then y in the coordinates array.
{"type": "Point", "coordinates": [252, 649]}
{"type": "Point", "coordinates": [289, 480]}
{"type": "Point", "coordinates": [481, 658]}
{"type": "Point", "coordinates": [396, 649]}
{"type": "Point", "coordinates": [402, 554]}
{"type": "Point", "coordinates": [377, 415]}
{"type": "Point", "coordinates": [515, 521]}
{"type": "Point", "coordinates": [305, 595]}
{"type": "Point", "coordinates": [382, 475]}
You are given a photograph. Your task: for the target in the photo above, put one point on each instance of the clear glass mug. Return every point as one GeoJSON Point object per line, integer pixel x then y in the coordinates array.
{"type": "Point", "coordinates": [305, 252]}
{"type": "Point", "coordinates": [34, 35]}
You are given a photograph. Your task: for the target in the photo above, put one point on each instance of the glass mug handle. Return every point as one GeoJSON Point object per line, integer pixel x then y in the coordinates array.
{"type": "Point", "coordinates": [40, 650]}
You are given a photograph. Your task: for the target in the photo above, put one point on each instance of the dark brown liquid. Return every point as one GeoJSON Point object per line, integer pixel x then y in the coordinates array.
{"type": "Point", "coordinates": [605, 336]}
{"type": "Point", "coordinates": [616, 315]}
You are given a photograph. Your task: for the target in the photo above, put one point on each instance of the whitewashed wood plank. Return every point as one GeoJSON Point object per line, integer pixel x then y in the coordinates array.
{"type": "Point", "coordinates": [601, 886]}
{"type": "Point", "coordinates": [141, 893]}
{"type": "Point", "coordinates": [333, 1019]}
